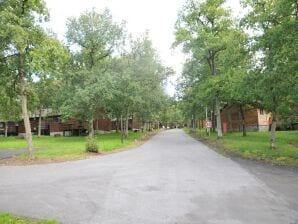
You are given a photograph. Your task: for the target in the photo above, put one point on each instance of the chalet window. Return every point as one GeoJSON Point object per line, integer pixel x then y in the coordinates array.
{"type": "Point", "coordinates": [57, 119]}
{"type": "Point", "coordinates": [261, 111]}
{"type": "Point", "coordinates": [1, 125]}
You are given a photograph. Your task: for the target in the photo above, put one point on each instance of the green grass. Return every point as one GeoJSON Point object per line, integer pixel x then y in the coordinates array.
{"type": "Point", "coordinates": [256, 145]}
{"type": "Point", "coordinates": [69, 147]}
{"type": "Point", "coordinates": [6, 218]}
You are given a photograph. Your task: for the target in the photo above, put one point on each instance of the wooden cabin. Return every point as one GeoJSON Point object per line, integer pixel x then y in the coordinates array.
{"type": "Point", "coordinates": [54, 125]}
{"type": "Point", "coordinates": [255, 119]}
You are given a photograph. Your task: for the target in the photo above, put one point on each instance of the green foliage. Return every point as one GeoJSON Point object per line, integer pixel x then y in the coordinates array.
{"type": "Point", "coordinates": [6, 218]}
{"type": "Point", "coordinates": [172, 113]}
{"type": "Point", "coordinates": [218, 59]}
{"type": "Point", "coordinates": [91, 145]}
{"type": "Point", "coordinates": [86, 85]}
{"type": "Point", "coordinates": [96, 35]}
{"type": "Point", "coordinates": [9, 106]}
{"type": "Point", "coordinates": [275, 74]}
{"type": "Point", "coordinates": [137, 84]}
{"type": "Point", "coordinates": [225, 64]}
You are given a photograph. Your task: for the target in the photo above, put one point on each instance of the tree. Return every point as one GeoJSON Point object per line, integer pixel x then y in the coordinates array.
{"type": "Point", "coordinates": [45, 89]}
{"type": "Point", "coordinates": [137, 84]}
{"type": "Point", "coordinates": [23, 44]}
{"type": "Point", "coordinates": [9, 108]}
{"type": "Point", "coordinates": [205, 30]}
{"type": "Point", "coordinates": [95, 36]}
{"type": "Point", "coordinates": [276, 70]}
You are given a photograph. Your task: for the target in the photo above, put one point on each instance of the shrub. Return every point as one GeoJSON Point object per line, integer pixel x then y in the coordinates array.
{"type": "Point", "coordinates": [91, 145]}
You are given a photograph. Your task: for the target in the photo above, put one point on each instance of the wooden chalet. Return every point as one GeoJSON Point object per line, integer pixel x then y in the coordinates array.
{"type": "Point", "coordinates": [54, 125]}
{"type": "Point", "coordinates": [255, 119]}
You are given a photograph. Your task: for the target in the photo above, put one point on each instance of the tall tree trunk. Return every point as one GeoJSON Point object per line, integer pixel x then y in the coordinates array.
{"type": "Point", "coordinates": [91, 128]}
{"type": "Point", "coordinates": [121, 129]}
{"type": "Point", "coordinates": [243, 121]}
{"type": "Point", "coordinates": [213, 119]}
{"type": "Point", "coordinates": [117, 125]}
{"type": "Point", "coordinates": [218, 118]}
{"type": "Point", "coordinates": [126, 126]}
{"type": "Point", "coordinates": [39, 123]}
{"type": "Point", "coordinates": [5, 128]}
{"type": "Point", "coordinates": [273, 132]}
{"type": "Point", "coordinates": [23, 87]}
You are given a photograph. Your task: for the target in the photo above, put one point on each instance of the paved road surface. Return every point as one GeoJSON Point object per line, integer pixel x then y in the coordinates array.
{"type": "Point", "coordinates": [171, 179]}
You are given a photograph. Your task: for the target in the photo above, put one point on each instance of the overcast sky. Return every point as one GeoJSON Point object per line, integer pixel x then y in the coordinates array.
{"type": "Point", "coordinates": [156, 16]}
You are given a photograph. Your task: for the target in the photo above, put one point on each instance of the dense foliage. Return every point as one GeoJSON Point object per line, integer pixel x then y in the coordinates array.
{"type": "Point", "coordinates": [247, 62]}
{"type": "Point", "coordinates": [100, 72]}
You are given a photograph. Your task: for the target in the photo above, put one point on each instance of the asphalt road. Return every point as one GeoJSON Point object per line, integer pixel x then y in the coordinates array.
{"type": "Point", "coordinates": [171, 179]}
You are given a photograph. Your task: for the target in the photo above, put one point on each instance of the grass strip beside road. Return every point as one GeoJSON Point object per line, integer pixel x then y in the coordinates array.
{"type": "Point", "coordinates": [70, 148]}
{"type": "Point", "coordinates": [256, 145]}
{"type": "Point", "coordinates": [6, 218]}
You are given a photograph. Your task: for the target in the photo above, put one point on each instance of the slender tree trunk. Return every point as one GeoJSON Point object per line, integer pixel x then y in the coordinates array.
{"type": "Point", "coordinates": [121, 129]}
{"type": "Point", "coordinates": [39, 123]}
{"type": "Point", "coordinates": [23, 86]}
{"type": "Point", "coordinates": [126, 127]}
{"type": "Point", "coordinates": [117, 125]}
{"type": "Point", "coordinates": [243, 121]}
{"type": "Point", "coordinates": [91, 128]}
{"type": "Point", "coordinates": [5, 128]}
{"type": "Point", "coordinates": [218, 118]}
{"type": "Point", "coordinates": [213, 119]}
{"type": "Point", "coordinates": [273, 132]}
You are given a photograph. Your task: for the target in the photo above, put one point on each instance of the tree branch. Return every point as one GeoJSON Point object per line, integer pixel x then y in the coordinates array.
{"type": "Point", "coordinates": [8, 56]}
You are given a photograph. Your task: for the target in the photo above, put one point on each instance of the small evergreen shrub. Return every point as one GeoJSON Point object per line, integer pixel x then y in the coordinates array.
{"type": "Point", "coordinates": [91, 145]}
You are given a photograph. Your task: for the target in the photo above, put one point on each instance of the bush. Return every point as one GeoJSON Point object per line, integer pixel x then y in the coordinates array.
{"type": "Point", "coordinates": [91, 145]}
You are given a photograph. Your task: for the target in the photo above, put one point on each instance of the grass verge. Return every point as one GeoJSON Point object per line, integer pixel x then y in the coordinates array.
{"type": "Point", "coordinates": [256, 146]}
{"type": "Point", "coordinates": [6, 218]}
{"type": "Point", "coordinates": [55, 149]}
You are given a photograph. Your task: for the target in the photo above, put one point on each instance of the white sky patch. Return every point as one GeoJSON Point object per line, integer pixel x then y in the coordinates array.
{"type": "Point", "coordinates": [156, 16]}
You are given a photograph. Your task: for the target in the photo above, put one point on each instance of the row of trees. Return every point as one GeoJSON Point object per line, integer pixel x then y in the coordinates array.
{"type": "Point", "coordinates": [101, 70]}
{"type": "Point", "coordinates": [252, 61]}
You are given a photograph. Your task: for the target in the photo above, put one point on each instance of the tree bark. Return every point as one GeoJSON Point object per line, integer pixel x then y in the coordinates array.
{"type": "Point", "coordinates": [91, 128]}
{"type": "Point", "coordinates": [126, 126]}
{"type": "Point", "coordinates": [213, 119]}
{"type": "Point", "coordinates": [23, 87]}
{"type": "Point", "coordinates": [5, 128]}
{"type": "Point", "coordinates": [39, 123]}
{"type": "Point", "coordinates": [218, 118]}
{"type": "Point", "coordinates": [243, 121]}
{"type": "Point", "coordinates": [273, 132]}
{"type": "Point", "coordinates": [121, 129]}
